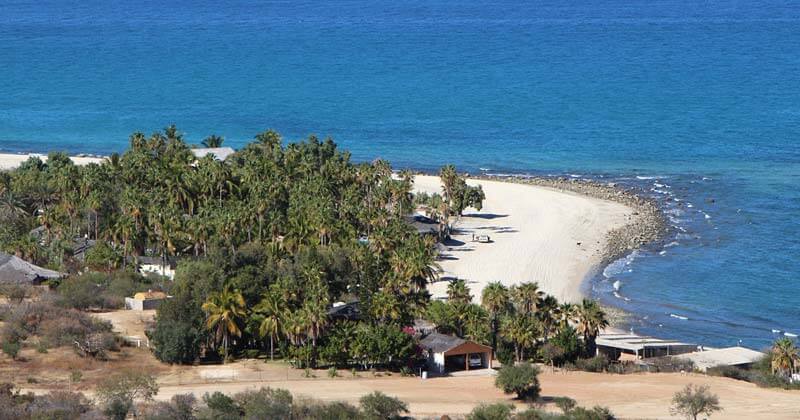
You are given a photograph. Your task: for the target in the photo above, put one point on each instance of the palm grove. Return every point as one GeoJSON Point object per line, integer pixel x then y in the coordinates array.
{"type": "Point", "coordinates": [267, 241]}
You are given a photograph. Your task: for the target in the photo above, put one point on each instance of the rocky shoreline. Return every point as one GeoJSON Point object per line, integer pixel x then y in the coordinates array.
{"type": "Point", "coordinates": [647, 224]}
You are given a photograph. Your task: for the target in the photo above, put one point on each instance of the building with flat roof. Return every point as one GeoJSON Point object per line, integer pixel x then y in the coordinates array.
{"type": "Point", "coordinates": [732, 356]}
{"type": "Point", "coordinates": [631, 346]}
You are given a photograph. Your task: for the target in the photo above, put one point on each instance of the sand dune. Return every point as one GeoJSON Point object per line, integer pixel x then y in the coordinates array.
{"type": "Point", "coordinates": [554, 238]}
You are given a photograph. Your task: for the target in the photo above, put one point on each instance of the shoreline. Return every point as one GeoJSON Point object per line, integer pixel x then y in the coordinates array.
{"type": "Point", "coordinates": [552, 236]}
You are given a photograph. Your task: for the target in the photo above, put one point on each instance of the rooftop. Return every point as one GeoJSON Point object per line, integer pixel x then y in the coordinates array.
{"type": "Point", "coordinates": [16, 270]}
{"type": "Point", "coordinates": [634, 342]}
{"type": "Point", "coordinates": [731, 356]}
{"type": "Point", "coordinates": [440, 343]}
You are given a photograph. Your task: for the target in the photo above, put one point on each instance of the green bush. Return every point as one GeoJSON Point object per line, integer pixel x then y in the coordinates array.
{"type": "Point", "coordinates": [378, 405]}
{"type": "Point", "coordinates": [266, 403]}
{"type": "Point", "coordinates": [11, 348]}
{"type": "Point", "coordinates": [220, 406]}
{"type": "Point", "coordinates": [175, 343]}
{"type": "Point", "coordinates": [522, 379]}
{"type": "Point", "coordinates": [498, 411]}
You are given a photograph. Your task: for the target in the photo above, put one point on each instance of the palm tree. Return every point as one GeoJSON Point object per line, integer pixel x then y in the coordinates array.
{"type": "Point", "coordinates": [590, 319]}
{"type": "Point", "coordinates": [785, 357]}
{"type": "Point", "coordinates": [521, 331]}
{"type": "Point", "coordinates": [495, 299]}
{"type": "Point", "coordinates": [224, 312]}
{"type": "Point", "coordinates": [213, 141]}
{"type": "Point", "coordinates": [270, 309]}
{"type": "Point", "coordinates": [526, 297]}
{"type": "Point", "coordinates": [458, 292]}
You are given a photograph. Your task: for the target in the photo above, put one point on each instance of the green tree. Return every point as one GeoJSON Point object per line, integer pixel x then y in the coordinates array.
{"type": "Point", "coordinates": [692, 401]}
{"type": "Point", "coordinates": [521, 379]}
{"type": "Point", "coordinates": [496, 300]}
{"type": "Point", "coordinates": [785, 357]}
{"type": "Point", "coordinates": [270, 309]}
{"type": "Point", "coordinates": [225, 311]}
{"type": "Point", "coordinates": [213, 141]}
{"type": "Point", "coordinates": [521, 331]}
{"type": "Point", "coordinates": [590, 320]}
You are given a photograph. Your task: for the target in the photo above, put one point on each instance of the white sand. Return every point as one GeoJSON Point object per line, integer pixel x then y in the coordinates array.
{"type": "Point", "coordinates": [535, 233]}
{"type": "Point", "coordinates": [11, 161]}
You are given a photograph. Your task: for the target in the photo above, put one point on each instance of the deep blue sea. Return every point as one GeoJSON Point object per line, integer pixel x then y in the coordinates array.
{"type": "Point", "coordinates": [697, 103]}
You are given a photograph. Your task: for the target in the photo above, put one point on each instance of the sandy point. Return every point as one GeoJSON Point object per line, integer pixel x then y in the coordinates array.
{"type": "Point", "coordinates": [539, 234]}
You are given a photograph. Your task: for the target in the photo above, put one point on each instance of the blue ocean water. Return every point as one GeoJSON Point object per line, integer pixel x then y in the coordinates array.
{"type": "Point", "coordinates": [691, 101]}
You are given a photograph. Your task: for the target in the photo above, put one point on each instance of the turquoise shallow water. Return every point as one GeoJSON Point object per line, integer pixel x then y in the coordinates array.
{"type": "Point", "coordinates": [706, 97]}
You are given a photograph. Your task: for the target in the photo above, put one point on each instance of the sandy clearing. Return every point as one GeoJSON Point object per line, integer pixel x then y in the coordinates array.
{"type": "Point", "coordinates": [539, 234]}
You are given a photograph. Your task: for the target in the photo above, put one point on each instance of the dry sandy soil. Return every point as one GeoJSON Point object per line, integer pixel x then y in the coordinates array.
{"type": "Point", "coordinates": [628, 396]}
{"type": "Point", "coordinates": [538, 234]}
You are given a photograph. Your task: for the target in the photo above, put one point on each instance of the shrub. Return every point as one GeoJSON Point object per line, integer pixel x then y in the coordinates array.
{"type": "Point", "coordinates": [378, 405]}
{"type": "Point", "coordinates": [498, 411]}
{"type": "Point", "coordinates": [120, 391]}
{"type": "Point", "coordinates": [83, 292]}
{"type": "Point", "coordinates": [522, 380]}
{"type": "Point", "coordinates": [565, 404]}
{"type": "Point", "coordinates": [266, 403]}
{"type": "Point", "coordinates": [331, 411]}
{"type": "Point", "coordinates": [59, 405]}
{"type": "Point", "coordinates": [180, 407]}
{"type": "Point", "coordinates": [102, 257]}
{"type": "Point", "coordinates": [694, 400]}
{"type": "Point", "coordinates": [594, 364]}
{"type": "Point", "coordinates": [332, 373]}
{"type": "Point", "coordinates": [11, 348]}
{"type": "Point", "coordinates": [220, 406]}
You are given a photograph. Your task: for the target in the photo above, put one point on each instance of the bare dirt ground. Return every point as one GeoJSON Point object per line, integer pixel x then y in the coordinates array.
{"type": "Point", "coordinates": [628, 396]}
{"type": "Point", "coordinates": [129, 323]}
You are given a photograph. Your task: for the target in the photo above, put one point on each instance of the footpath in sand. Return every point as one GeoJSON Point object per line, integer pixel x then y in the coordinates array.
{"type": "Point", "coordinates": [538, 234]}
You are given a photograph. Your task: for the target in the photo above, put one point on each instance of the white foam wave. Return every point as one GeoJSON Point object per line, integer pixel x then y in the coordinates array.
{"type": "Point", "coordinates": [681, 317]}
{"type": "Point", "coordinates": [662, 253]}
{"type": "Point", "coordinates": [619, 266]}
{"type": "Point", "coordinates": [690, 205]}
{"type": "Point", "coordinates": [617, 284]}
{"type": "Point", "coordinates": [788, 334]}
{"type": "Point", "coordinates": [671, 244]}
{"type": "Point", "coordinates": [774, 331]}
{"type": "Point", "coordinates": [649, 177]}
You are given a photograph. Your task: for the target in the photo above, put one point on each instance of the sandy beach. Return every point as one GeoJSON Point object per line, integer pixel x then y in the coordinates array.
{"type": "Point", "coordinates": [11, 160]}
{"type": "Point", "coordinates": [555, 238]}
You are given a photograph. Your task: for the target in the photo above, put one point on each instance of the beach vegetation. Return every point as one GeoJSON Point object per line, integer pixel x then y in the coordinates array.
{"type": "Point", "coordinates": [119, 392]}
{"type": "Point", "coordinates": [694, 400]}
